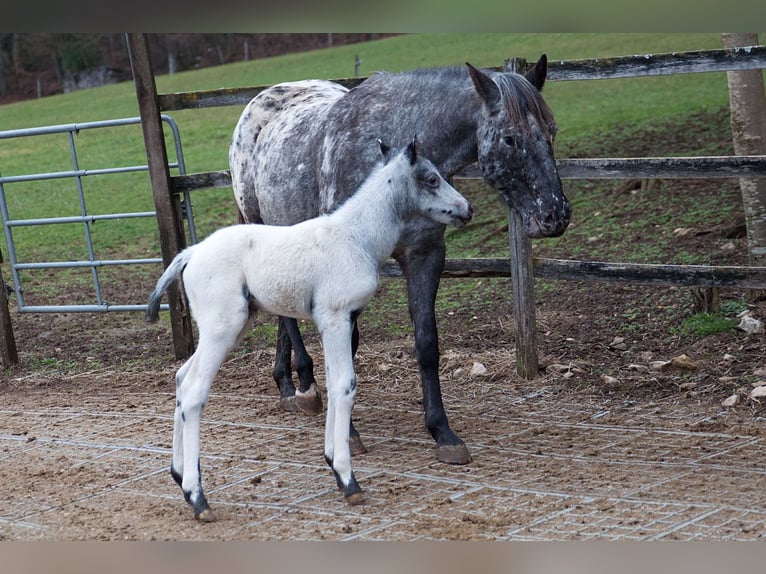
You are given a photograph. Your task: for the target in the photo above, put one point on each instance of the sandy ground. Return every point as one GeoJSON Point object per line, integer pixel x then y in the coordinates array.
{"type": "Point", "coordinates": [86, 457]}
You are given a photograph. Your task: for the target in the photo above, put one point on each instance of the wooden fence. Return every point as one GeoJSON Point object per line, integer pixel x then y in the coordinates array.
{"type": "Point", "coordinates": [519, 266]}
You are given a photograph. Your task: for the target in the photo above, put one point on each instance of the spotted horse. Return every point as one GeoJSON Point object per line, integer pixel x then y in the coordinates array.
{"type": "Point", "coordinates": [300, 149]}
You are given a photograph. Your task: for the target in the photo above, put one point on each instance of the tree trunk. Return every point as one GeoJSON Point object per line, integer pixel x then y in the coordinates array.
{"type": "Point", "coordinates": [747, 101]}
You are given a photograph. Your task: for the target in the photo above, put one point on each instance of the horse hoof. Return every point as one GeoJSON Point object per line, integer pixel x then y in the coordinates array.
{"type": "Point", "coordinates": [309, 402]}
{"type": "Point", "coordinates": [355, 498]}
{"type": "Point", "coordinates": [453, 454]}
{"type": "Point", "coordinates": [288, 404]}
{"type": "Point", "coordinates": [206, 515]}
{"type": "Point", "coordinates": [356, 446]}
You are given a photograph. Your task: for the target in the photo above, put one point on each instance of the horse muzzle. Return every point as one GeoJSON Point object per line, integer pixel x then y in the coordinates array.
{"type": "Point", "coordinates": [550, 224]}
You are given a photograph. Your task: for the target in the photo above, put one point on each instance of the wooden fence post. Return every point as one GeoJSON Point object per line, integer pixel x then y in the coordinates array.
{"type": "Point", "coordinates": [522, 281]}
{"type": "Point", "coordinates": [166, 202]}
{"type": "Point", "coordinates": [8, 354]}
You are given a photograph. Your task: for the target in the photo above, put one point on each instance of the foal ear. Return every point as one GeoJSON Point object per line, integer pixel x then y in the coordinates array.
{"type": "Point", "coordinates": [384, 149]}
{"type": "Point", "coordinates": [536, 76]}
{"type": "Point", "coordinates": [484, 85]}
{"type": "Point", "coordinates": [412, 151]}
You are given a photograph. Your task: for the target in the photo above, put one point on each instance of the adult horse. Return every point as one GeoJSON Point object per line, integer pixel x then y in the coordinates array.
{"type": "Point", "coordinates": [301, 148]}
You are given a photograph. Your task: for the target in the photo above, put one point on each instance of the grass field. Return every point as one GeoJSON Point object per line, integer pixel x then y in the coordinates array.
{"type": "Point", "coordinates": [585, 111]}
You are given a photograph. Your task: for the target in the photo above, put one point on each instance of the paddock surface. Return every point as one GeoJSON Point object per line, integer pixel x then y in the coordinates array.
{"type": "Point", "coordinates": [86, 457]}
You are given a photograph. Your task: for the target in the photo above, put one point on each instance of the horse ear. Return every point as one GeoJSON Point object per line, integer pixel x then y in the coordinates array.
{"type": "Point", "coordinates": [484, 85]}
{"type": "Point", "coordinates": [384, 149]}
{"type": "Point", "coordinates": [536, 76]}
{"type": "Point", "coordinates": [412, 151]}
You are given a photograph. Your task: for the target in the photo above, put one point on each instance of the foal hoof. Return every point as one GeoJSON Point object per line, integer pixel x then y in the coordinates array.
{"type": "Point", "coordinates": [355, 498]}
{"type": "Point", "coordinates": [353, 492]}
{"type": "Point", "coordinates": [356, 446]}
{"type": "Point", "coordinates": [206, 515]}
{"type": "Point", "coordinates": [309, 402]}
{"type": "Point", "coordinates": [288, 404]}
{"type": "Point", "coordinates": [453, 454]}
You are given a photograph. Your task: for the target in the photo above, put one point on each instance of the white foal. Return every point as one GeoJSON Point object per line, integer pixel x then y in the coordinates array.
{"type": "Point", "coordinates": [324, 269]}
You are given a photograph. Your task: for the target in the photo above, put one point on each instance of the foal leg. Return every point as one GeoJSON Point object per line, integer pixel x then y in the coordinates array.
{"type": "Point", "coordinates": [422, 266]}
{"type": "Point", "coordinates": [341, 390]}
{"type": "Point", "coordinates": [193, 382]}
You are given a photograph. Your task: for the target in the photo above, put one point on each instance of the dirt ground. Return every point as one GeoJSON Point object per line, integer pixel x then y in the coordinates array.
{"type": "Point", "coordinates": [570, 455]}
{"type": "Point", "coordinates": [613, 441]}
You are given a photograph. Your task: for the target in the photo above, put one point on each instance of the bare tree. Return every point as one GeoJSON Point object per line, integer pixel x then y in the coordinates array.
{"type": "Point", "coordinates": [747, 101]}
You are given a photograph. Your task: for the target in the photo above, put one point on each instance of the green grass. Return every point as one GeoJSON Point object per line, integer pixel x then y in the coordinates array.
{"type": "Point", "coordinates": [584, 111]}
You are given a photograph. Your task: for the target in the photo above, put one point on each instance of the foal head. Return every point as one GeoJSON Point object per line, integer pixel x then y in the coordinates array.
{"type": "Point", "coordinates": [515, 145]}
{"type": "Point", "coordinates": [424, 190]}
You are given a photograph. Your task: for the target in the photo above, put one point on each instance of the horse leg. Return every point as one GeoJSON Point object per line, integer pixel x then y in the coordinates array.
{"type": "Point", "coordinates": [283, 369]}
{"type": "Point", "coordinates": [422, 267]}
{"type": "Point", "coordinates": [307, 397]}
{"type": "Point", "coordinates": [341, 390]}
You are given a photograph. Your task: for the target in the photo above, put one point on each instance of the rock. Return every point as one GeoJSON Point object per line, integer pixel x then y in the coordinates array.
{"type": "Point", "coordinates": [618, 343]}
{"type": "Point", "coordinates": [750, 324]}
{"type": "Point", "coordinates": [477, 369]}
{"type": "Point", "coordinates": [639, 368]}
{"type": "Point", "coordinates": [729, 358]}
{"type": "Point", "coordinates": [680, 362]}
{"type": "Point", "coordinates": [557, 368]}
{"type": "Point", "coordinates": [684, 362]}
{"type": "Point", "coordinates": [730, 401]}
{"type": "Point", "coordinates": [759, 371]}
{"type": "Point", "coordinates": [608, 380]}
{"type": "Point", "coordinates": [757, 392]}
{"type": "Point", "coordinates": [659, 365]}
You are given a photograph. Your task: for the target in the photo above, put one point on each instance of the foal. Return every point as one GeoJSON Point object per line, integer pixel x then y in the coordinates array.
{"type": "Point", "coordinates": [324, 269]}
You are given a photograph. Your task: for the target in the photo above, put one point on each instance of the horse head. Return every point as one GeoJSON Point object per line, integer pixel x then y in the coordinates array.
{"type": "Point", "coordinates": [515, 148]}
{"type": "Point", "coordinates": [429, 193]}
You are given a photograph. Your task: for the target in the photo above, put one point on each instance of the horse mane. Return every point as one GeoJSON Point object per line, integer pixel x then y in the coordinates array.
{"type": "Point", "coordinates": [520, 97]}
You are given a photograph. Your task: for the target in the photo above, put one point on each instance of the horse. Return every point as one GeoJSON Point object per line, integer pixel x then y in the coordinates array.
{"type": "Point", "coordinates": [298, 150]}
{"type": "Point", "coordinates": [324, 269]}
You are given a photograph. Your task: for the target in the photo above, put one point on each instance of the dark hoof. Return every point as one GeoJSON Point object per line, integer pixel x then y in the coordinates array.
{"type": "Point", "coordinates": [309, 402]}
{"type": "Point", "coordinates": [353, 492]}
{"type": "Point", "coordinates": [356, 445]}
{"type": "Point", "coordinates": [288, 404]}
{"type": "Point", "coordinates": [453, 454]}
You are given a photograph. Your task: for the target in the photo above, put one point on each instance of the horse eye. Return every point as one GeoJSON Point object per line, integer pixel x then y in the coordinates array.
{"type": "Point", "coordinates": [510, 141]}
{"type": "Point", "coordinates": [433, 180]}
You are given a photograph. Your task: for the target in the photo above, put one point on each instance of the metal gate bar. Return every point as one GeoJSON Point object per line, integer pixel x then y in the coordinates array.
{"type": "Point", "coordinates": [77, 174]}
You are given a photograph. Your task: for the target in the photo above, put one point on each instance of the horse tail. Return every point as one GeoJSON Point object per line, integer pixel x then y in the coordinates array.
{"type": "Point", "coordinates": [172, 273]}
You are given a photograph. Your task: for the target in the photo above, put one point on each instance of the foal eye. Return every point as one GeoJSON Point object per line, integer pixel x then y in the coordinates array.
{"type": "Point", "coordinates": [432, 180]}
{"type": "Point", "coordinates": [510, 141]}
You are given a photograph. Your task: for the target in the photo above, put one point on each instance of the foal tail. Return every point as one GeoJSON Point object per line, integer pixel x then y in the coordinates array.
{"type": "Point", "coordinates": [172, 273]}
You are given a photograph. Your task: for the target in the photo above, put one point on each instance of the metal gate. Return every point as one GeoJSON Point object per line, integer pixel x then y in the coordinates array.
{"type": "Point", "coordinates": [87, 220]}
